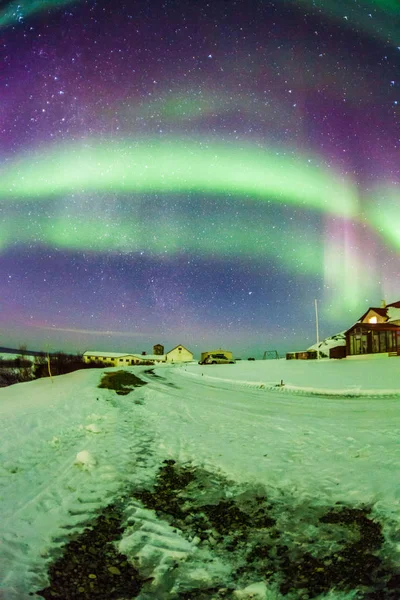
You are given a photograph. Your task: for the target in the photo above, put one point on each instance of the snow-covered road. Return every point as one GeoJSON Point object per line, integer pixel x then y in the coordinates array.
{"type": "Point", "coordinates": [304, 451]}
{"type": "Point", "coordinates": [45, 492]}
{"type": "Point", "coordinates": [335, 449]}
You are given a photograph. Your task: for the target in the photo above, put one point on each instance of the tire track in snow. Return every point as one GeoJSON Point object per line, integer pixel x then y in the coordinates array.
{"type": "Point", "coordinates": [31, 534]}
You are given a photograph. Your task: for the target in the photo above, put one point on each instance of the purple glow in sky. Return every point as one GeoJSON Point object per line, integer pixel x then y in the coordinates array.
{"type": "Point", "coordinates": [182, 173]}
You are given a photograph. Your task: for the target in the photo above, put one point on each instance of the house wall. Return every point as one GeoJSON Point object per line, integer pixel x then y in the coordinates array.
{"type": "Point", "coordinates": [305, 355]}
{"type": "Point", "coordinates": [179, 354]}
{"type": "Point", "coordinates": [361, 341]}
{"type": "Point", "coordinates": [337, 352]}
{"type": "Point", "coordinates": [126, 360]}
{"type": "Point", "coordinates": [99, 358]}
{"type": "Point", "coordinates": [112, 360]}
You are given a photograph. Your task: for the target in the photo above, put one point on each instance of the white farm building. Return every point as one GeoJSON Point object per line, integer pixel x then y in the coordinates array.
{"type": "Point", "coordinates": [179, 354]}
{"type": "Point", "coordinates": [119, 359]}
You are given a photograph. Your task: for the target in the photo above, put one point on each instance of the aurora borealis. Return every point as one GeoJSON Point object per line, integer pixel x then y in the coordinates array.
{"type": "Point", "coordinates": [197, 173]}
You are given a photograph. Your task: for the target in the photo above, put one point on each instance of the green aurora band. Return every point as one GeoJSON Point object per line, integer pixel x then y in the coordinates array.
{"type": "Point", "coordinates": [18, 11]}
{"type": "Point", "coordinates": [386, 221]}
{"type": "Point", "coordinates": [377, 18]}
{"type": "Point", "coordinates": [130, 170]}
{"type": "Point", "coordinates": [88, 233]}
{"type": "Point", "coordinates": [177, 166]}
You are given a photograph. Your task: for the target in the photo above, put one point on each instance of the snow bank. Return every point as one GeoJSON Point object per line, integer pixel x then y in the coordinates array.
{"type": "Point", "coordinates": [347, 377]}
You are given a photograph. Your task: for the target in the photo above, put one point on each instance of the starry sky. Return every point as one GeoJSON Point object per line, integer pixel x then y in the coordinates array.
{"type": "Point", "coordinates": [196, 172]}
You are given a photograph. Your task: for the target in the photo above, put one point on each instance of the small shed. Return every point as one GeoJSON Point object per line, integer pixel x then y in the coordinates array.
{"type": "Point", "coordinates": [337, 352]}
{"type": "Point", "coordinates": [304, 355]}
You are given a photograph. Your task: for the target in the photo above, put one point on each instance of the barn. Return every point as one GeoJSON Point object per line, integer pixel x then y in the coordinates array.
{"type": "Point", "coordinates": [179, 354]}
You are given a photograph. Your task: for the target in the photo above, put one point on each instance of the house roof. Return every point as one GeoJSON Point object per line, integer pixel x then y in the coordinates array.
{"type": "Point", "coordinates": [107, 354]}
{"type": "Point", "coordinates": [179, 346]}
{"type": "Point", "coordinates": [383, 312]}
{"type": "Point", "coordinates": [149, 356]}
{"type": "Point", "coordinates": [380, 311]}
{"type": "Point", "coordinates": [394, 304]}
{"type": "Point", "coordinates": [101, 353]}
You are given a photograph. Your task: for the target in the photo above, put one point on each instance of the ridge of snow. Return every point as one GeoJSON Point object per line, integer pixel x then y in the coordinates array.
{"type": "Point", "coordinates": [393, 313]}
{"type": "Point", "coordinates": [353, 392]}
{"type": "Point", "coordinates": [339, 339]}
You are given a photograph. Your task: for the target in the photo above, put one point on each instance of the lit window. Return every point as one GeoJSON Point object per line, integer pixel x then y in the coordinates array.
{"type": "Point", "coordinates": [373, 320]}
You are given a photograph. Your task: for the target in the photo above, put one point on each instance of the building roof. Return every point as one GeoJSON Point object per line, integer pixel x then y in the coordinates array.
{"type": "Point", "coordinates": [389, 311]}
{"type": "Point", "coordinates": [101, 353]}
{"type": "Point", "coordinates": [107, 354]}
{"type": "Point", "coordinates": [179, 346]}
{"type": "Point", "coordinates": [380, 311]}
{"type": "Point", "coordinates": [394, 304]}
{"type": "Point", "coordinates": [149, 356]}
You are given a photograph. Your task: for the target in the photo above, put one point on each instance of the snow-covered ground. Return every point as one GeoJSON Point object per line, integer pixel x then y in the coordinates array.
{"type": "Point", "coordinates": [359, 376]}
{"type": "Point", "coordinates": [69, 448]}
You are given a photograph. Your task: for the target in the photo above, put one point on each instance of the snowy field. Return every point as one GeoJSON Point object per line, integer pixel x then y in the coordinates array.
{"type": "Point", "coordinates": [327, 440]}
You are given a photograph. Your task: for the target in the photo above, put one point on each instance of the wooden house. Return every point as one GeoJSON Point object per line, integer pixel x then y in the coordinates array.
{"type": "Point", "coordinates": [376, 332]}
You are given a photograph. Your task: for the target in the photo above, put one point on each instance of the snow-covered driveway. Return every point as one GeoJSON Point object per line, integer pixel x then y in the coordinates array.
{"type": "Point", "coordinates": [344, 449]}
{"type": "Point", "coordinates": [304, 451]}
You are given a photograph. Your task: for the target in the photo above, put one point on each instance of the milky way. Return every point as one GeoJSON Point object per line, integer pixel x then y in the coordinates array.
{"type": "Point", "coordinates": [189, 173]}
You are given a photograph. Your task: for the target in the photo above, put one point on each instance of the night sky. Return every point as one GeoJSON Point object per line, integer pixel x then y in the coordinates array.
{"type": "Point", "coordinates": [197, 173]}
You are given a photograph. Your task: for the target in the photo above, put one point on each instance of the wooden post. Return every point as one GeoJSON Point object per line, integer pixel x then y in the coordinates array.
{"type": "Point", "coordinates": [49, 367]}
{"type": "Point", "coordinates": [316, 324]}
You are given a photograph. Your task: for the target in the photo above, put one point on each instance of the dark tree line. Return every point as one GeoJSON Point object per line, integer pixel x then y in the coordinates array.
{"type": "Point", "coordinates": [21, 369]}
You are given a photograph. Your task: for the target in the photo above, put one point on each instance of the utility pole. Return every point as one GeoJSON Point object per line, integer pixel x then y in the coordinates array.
{"type": "Point", "coordinates": [316, 326]}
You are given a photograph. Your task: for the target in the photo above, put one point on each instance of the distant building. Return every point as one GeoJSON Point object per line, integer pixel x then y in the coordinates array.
{"type": "Point", "coordinates": [303, 355]}
{"type": "Point", "coordinates": [337, 352]}
{"type": "Point", "coordinates": [118, 359]}
{"type": "Point", "coordinates": [376, 332]}
{"type": "Point", "coordinates": [158, 349]}
{"type": "Point", "coordinates": [179, 354]}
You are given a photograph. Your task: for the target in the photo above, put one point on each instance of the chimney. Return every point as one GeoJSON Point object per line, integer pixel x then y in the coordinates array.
{"type": "Point", "coordinates": [383, 303]}
{"type": "Point", "coordinates": [143, 353]}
